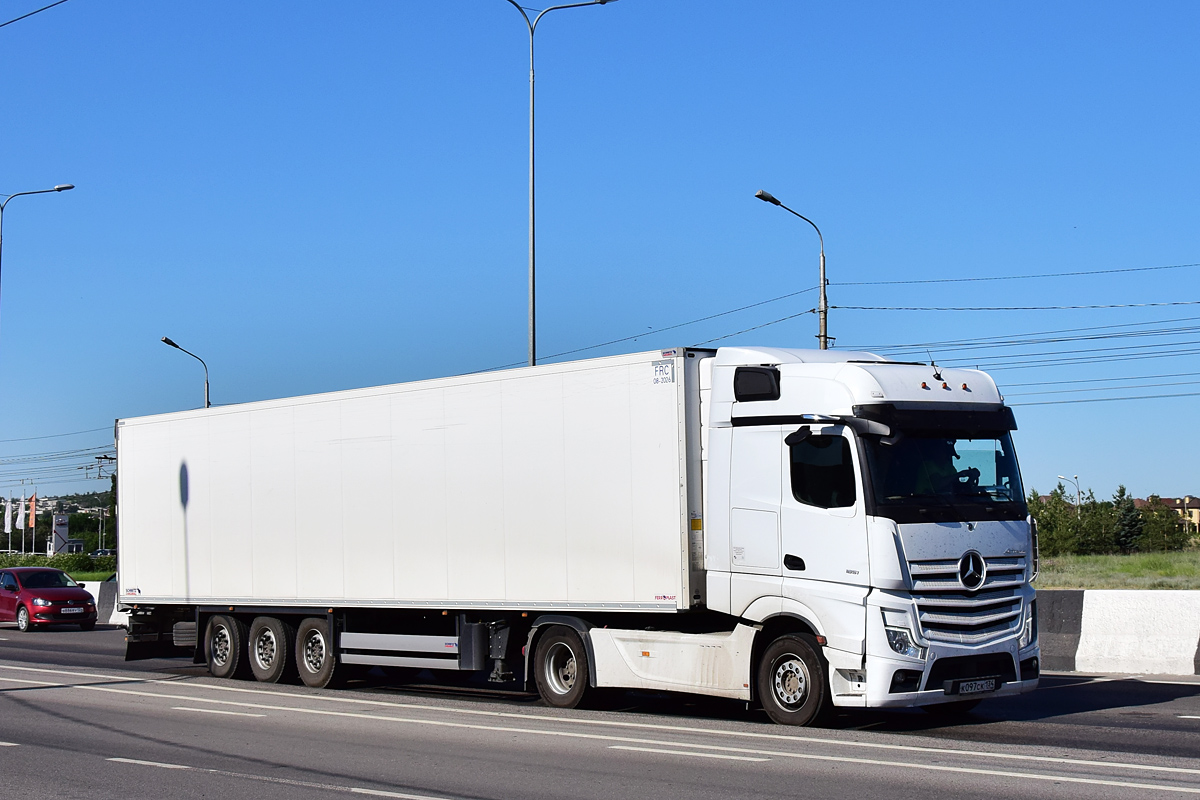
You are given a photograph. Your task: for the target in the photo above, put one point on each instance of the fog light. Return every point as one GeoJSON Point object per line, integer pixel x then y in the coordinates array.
{"type": "Point", "coordinates": [901, 641]}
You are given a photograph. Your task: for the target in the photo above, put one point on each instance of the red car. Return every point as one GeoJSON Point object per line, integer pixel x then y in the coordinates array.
{"type": "Point", "coordinates": [36, 596]}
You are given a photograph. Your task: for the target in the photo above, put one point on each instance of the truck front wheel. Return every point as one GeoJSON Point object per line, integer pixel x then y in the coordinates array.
{"type": "Point", "coordinates": [225, 645]}
{"type": "Point", "coordinates": [792, 682]}
{"type": "Point", "coordinates": [315, 660]}
{"type": "Point", "coordinates": [561, 667]}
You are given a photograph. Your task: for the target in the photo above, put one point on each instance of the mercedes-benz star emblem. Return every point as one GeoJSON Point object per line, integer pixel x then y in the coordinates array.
{"type": "Point", "coordinates": [972, 569]}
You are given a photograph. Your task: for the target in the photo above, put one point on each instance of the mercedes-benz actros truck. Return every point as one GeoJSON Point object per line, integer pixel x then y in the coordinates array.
{"type": "Point", "coordinates": [804, 529]}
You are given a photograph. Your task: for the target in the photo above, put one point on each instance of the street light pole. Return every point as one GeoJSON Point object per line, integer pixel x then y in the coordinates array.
{"type": "Point", "coordinates": [532, 24]}
{"type": "Point", "coordinates": [167, 341]}
{"type": "Point", "coordinates": [1078, 497]}
{"type": "Point", "coordinates": [62, 187]}
{"type": "Point", "coordinates": [823, 303]}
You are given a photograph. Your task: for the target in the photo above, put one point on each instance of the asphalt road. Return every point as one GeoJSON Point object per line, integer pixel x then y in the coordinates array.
{"type": "Point", "coordinates": [77, 721]}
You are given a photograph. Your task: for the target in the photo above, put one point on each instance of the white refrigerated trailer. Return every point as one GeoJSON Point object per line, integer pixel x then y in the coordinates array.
{"type": "Point", "coordinates": [803, 528]}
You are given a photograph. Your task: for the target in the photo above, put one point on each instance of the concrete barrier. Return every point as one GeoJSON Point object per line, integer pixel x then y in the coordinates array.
{"type": "Point", "coordinates": [105, 594]}
{"type": "Point", "coordinates": [1120, 630]}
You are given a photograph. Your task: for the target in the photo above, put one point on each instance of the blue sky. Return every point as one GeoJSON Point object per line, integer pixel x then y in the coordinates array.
{"type": "Point", "coordinates": [318, 196]}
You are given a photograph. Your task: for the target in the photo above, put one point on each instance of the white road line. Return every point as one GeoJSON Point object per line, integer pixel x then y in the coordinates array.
{"type": "Point", "coordinates": [148, 763]}
{"type": "Point", "coordinates": [780, 737]}
{"type": "Point", "coordinates": [284, 781]}
{"type": "Point", "coordinates": [9, 744]}
{"type": "Point", "coordinates": [1058, 777]}
{"type": "Point", "coordinates": [684, 753]}
{"type": "Point", "coordinates": [215, 711]}
{"type": "Point", "coordinates": [1188, 716]}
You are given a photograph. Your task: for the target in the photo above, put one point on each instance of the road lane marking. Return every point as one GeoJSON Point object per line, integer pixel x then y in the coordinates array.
{"type": "Point", "coordinates": [284, 781]}
{"type": "Point", "coordinates": [631, 740]}
{"type": "Point", "coordinates": [215, 711]}
{"type": "Point", "coordinates": [9, 744]}
{"type": "Point", "coordinates": [684, 753]}
{"type": "Point", "coordinates": [1188, 716]}
{"type": "Point", "coordinates": [560, 720]}
{"type": "Point", "coordinates": [148, 763]}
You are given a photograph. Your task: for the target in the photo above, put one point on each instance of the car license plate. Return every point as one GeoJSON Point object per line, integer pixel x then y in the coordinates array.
{"type": "Point", "coordinates": [70, 610]}
{"type": "Point", "coordinates": [977, 686]}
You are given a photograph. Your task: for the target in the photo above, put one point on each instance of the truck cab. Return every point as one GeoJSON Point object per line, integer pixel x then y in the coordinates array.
{"type": "Point", "coordinates": [879, 506]}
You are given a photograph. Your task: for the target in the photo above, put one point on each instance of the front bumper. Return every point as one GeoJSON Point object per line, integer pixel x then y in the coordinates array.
{"type": "Point", "coordinates": [896, 681]}
{"type": "Point", "coordinates": [53, 615]}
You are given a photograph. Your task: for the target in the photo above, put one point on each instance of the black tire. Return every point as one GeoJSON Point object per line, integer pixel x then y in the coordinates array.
{"type": "Point", "coordinates": [271, 648]}
{"type": "Point", "coordinates": [316, 660]}
{"type": "Point", "coordinates": [24, 621]}
{"type": "Point", "coordinates": [958, 708]}
{"type": "Point", "coordinates": [793, 683]}
{"type": "Point", "coordinates": [560, 668]}
{"type": "Point", "coordinates": [225, 647]}
{"type": "Point", "coordinates": [87, 626]}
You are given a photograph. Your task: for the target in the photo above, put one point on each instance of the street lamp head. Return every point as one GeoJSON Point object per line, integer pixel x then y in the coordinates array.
{"type": "Point", "coordinates": [167, 341]}
{"type": "Point", "coordinates": [1063, 478]}
{"type": "Point", "coordinates": [64, 187]}
{"type": "Point", "coordinates": [767, 197]}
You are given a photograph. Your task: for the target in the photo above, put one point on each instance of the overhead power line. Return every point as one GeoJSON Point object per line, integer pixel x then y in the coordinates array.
{"type": "Point", "coordinates": [31, 13]}
{"type": "Point", "coordinates": [1106, 399]}
{"type": "Point", "coordinates": [56, 435]}
{"type": "Point", "coordinates": [1014, 277]}
{"type": "Point", "coordinates": [1015, 308]}
{"type": "Point", "coordinates": [1102, 389]}
{"type": "Point", "coordinates": [1108, 380]}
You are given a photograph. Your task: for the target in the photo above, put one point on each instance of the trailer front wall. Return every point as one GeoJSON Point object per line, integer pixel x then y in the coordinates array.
{"type": "Point", "coordinates": [550, 487]}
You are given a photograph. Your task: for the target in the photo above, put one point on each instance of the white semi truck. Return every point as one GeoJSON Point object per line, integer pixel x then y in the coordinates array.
{"type": "Point", "coordinates": [808, 529]}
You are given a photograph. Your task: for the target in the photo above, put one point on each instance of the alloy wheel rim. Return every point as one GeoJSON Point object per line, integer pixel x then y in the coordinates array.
{"type": "Point", "coordinates": [314, 651]}
{"type": "Point", "coordinates": [791, 681]}
{"type": "Point", "coordinates": [561, 668]}
{"type": "Point", "coordinates": [220, 646]}
{"type": "Point", "coordinates": [265, 648]}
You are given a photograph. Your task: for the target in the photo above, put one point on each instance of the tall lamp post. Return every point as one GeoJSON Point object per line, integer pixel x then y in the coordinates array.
{"type": "Point", "coordinates": [823, 303]}
{"type": "Point", "coordinates": [62, 187]}
{"type": "Point", "coordinates": [1078, 496]}
{"type": "Point", "coordinates": [168, 342]}
{"type": "Point", "coordinates": [532, 259]}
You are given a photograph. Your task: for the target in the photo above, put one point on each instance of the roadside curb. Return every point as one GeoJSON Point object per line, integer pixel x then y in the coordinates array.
{"type": "Point", "coordinates": [1154, 632]}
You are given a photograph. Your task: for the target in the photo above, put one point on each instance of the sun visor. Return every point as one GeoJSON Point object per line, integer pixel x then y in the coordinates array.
{"type": "Point", "coordinates": [977, 417]}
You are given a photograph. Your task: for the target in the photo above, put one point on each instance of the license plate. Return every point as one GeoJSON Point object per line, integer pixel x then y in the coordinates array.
{"type": "Point", "coordinates": [977, 686]}
{"type": "Point", "coordinates": [69, 610]}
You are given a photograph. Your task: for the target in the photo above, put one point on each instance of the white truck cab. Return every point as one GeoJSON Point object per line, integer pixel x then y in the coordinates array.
{"type": "Point", "coordinates": [880, 503]}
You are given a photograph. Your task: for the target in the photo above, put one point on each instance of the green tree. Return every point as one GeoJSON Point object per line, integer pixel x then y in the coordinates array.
{"type": "Point", "coordinates": [1162, 528]}
{"type": "Point", "coordinates": [1129, 520]}
{"type": "Point", "coordinates": [1097, 531]}
{"type": "Point", "coordinates": [1057, 521]}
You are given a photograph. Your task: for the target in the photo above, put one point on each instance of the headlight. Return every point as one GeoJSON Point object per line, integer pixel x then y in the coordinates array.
{"type": "Point", "coordinates": [40, 601]}
{"type": "Point", "coordinates": [1028, 626]}
{"type": "Point", "coordinates": [901, 641]}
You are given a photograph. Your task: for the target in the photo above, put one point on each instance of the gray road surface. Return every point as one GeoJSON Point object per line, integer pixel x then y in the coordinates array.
{"type": "Point", "coordinates": [77, 721]}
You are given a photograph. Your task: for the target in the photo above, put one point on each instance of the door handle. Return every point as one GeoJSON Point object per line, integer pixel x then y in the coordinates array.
{"type": "Point", "coordinates": [794, 563]}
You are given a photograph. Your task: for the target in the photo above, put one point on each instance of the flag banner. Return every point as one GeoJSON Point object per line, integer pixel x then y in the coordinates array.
{"type": "Point", "coordinates": [8, 516]}
{"type": "Point", "coordinates": [33, 513]}
{"type": "Point", "coordinates": [21, 515]}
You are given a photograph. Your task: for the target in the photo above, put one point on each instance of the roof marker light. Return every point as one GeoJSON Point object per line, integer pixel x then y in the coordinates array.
{"type": "Point", "coordinates": [924, 385]}
{"type": "Point", "coordinates": [965, 389]}
{"type": "Point", "coordinates": [945, 385]}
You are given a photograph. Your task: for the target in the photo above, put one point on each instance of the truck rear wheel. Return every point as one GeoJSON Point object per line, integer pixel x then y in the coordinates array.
{"type": "Point", "coordinates": [272, 647]}
{"type": "Point", "coordinates": [315, 660]}
{"type": "Point", "coordinates": [225, 646]}
{"type": "Point", "coordinates": [792, 681]}
{"type": "Point", "coordinates": [560, 667]}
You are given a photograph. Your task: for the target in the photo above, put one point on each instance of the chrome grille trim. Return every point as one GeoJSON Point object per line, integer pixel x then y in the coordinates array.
{"type": "Point", "coordinates": [946, 612]}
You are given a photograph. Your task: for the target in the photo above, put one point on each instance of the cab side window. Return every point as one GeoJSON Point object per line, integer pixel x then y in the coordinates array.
{"type": "Point", "coordinates": [8, 581]}
{"type": "Point", "coordinates": [823, 472]}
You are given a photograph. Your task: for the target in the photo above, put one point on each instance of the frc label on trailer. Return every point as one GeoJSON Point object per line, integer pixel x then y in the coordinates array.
{"type": "Point", "coordinates": [664, 372]}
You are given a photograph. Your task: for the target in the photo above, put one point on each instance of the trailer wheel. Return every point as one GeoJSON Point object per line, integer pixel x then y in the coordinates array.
{"type": "Point", "coordinates": [561, 667]}
{"type": "Point", "coordinates": [315, 660]}
{"type": "Point", "coordinates": [272, 647]}
{"type": "Point", "coordinates": [225, 647]}
{"type": "Point", "coordinates": [792, 682]}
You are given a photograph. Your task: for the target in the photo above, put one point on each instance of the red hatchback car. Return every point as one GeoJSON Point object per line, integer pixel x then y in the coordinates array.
{"type": "Point", "coordinates": [36, 596]}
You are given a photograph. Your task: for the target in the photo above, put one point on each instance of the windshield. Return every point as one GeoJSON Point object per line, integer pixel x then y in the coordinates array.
{"type": "Point", "coordinates": [940, 476]}
{"type": "Point", "coordinates": [46, 580]}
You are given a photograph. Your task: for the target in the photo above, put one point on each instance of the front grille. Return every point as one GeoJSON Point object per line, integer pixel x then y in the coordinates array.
{"type": "Point", "coordinates": [998, 665]}
{"type": "Point", "coordinates": [949, 613]}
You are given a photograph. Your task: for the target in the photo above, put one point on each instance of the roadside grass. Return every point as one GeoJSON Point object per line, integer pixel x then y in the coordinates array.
{"type": "Point", "coordinates": [1175, 570]}
{"type": "Point", "coordinates": [90, 576]}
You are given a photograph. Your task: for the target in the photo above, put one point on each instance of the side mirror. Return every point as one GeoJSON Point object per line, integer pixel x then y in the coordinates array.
{"type": "Point", "coordinates": [798, 436]}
